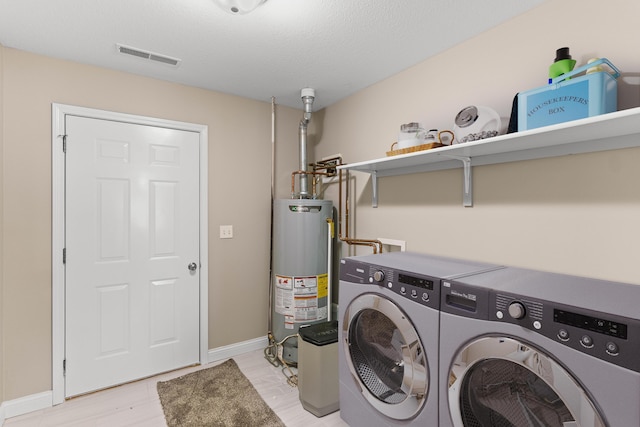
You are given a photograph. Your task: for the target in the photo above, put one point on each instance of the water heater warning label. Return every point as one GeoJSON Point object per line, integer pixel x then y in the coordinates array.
{"type": "Point", "coordinates": [296, 298]}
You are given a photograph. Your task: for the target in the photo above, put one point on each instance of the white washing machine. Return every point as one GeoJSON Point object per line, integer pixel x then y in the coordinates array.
{"type": "Point", "coordinates": [388, 337]}
{"type": "Point", "coordinates": [522, 348]}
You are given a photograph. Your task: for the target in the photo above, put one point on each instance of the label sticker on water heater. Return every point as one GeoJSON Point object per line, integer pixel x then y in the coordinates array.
{"type": "Point", "coordinates": [283, 298]}
{"type": "Point", "coordinates": [305, 298]}
{"type": "Point", "coordinates": [297, 297]}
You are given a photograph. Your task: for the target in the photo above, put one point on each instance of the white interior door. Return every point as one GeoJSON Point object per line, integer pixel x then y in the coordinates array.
{"type": "Point", "coordinates": [132, 252]}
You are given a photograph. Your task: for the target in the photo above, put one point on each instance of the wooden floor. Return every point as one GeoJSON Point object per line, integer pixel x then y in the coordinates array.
{"type": "Point", "coordinates": [137, 404]}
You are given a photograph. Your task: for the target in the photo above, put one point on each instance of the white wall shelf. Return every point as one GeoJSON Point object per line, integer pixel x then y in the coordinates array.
{"type": "Point", "coordinates": [612, 131]}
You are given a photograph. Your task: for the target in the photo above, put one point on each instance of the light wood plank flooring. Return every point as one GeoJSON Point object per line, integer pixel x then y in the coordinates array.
{"type": "Point", "coordinates": [137, 404]}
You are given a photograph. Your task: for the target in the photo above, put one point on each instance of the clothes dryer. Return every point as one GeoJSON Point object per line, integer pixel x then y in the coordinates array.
{"type": "Point", "coordinates": [523, 348]}
{"type": "Point", "coordinates": [388, 337]}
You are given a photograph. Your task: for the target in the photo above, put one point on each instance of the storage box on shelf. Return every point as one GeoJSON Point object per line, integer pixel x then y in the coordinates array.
{"type": "Point", "coordinates": [568, 97]}
{"type": "Point", "coordinates": [611, 131]}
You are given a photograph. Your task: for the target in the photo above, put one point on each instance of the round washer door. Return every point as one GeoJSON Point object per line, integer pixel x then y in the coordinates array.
{"type": "Point", "coordinates": [385, 355]}
{"type": "Point", "coordinates": [503, 382]}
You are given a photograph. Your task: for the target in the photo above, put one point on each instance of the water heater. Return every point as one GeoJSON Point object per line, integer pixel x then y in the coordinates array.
{"type": "Point", "coordinates": [300, 268]}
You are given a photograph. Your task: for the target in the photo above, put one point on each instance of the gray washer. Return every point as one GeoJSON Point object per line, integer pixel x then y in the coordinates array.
{"type": "Point", "coordinates": [528, 348]}
{"type": "Point", "coordinates": [388, 336]}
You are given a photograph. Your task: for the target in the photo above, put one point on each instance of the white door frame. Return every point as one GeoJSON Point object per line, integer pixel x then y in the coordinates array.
{"type": "Point", "coordinates": [58, 113]}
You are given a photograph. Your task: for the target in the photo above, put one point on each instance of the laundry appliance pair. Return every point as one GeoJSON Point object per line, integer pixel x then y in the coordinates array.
{"type": "Point", "coordinates": [434, 341]}
{"type": "Point", "coordinates": [389, 336]}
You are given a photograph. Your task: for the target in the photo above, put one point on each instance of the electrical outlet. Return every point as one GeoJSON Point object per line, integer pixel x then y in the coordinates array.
{"type": "Point", "coordinates": [226, 231]}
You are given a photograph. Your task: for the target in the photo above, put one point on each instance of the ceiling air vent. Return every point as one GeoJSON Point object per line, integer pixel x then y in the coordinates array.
{"type": "Point", "coordinates": [128, 50]}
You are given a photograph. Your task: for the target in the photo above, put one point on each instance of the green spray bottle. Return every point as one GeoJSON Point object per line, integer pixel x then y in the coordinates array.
{"type": "Point", "coordinates": [562, 64]}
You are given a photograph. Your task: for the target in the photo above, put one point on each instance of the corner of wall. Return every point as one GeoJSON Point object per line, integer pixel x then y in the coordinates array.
{"type": "Point", "coordinates": [2, 322]}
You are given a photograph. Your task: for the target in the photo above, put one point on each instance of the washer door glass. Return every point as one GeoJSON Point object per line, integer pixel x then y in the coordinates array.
{"type": "Point", "coordinates": [501, 382]}
{"type": "Point", "coordinates": [384, 352]}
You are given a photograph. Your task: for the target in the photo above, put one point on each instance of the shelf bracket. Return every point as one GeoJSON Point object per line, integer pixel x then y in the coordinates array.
{"type": "Point", "coordinates": [374, 188]}
{"type": "Point", "coordinates": [467, 191]}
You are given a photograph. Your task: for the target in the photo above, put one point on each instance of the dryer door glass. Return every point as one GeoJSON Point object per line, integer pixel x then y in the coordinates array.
{"type": "Point", "coordinates": [507, 383]}
{"type": "Point", "coordinates": [386, 355]}
{"type": "Point", "coordinates": [501, 393]}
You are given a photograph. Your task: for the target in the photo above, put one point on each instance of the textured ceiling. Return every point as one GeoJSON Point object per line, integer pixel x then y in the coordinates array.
{"type": "Point", "coordinates": [337, 47]}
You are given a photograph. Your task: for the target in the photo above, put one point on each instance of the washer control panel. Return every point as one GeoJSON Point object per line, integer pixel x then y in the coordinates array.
{"type": "Point", "coordinates": [608, 337]}
{"type": "Point", "coordinates": [421, 288]}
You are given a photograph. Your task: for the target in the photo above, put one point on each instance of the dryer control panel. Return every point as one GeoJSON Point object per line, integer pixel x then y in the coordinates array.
{"type": "Point", "coordinates": [421, 288]}
{"type": "Point", "coordinates": [609, 337]}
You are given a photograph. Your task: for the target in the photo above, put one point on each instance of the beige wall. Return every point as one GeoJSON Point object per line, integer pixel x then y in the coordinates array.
{"type": "Point", "coordinates": [575, 214]}
{"type": "Point", "coordinates": [239, 194]}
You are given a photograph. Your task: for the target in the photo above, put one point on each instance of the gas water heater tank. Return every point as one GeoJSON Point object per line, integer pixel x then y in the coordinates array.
{"type": "Point", "coordinates": [300, 279]}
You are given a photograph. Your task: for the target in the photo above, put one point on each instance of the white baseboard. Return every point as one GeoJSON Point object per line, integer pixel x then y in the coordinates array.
{"type": "Point", "coordinates": [24, 405]}
{"type": "Point", "coordinates": [227, 351]}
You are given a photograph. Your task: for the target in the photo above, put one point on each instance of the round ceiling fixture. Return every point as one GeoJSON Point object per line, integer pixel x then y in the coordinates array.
{"type": "Point", "coordinates": [238, 7]}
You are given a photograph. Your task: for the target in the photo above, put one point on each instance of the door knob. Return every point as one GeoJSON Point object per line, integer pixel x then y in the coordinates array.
{"type": "Point", "coordinates": [193, 266]}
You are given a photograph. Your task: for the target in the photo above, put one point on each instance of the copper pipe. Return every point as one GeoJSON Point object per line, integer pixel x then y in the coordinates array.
{"type": "Point", "coordinates": [293, 181]}
{"type": "Point", "coordinates": [314, 184]}
{"type": "Point", "coordinates": [375, 244]}
{"type": "Point", "coordinates": [340, 203]}
{"type": "Point", "coordinates": [347, 202]}
{"type": "Point", "coordinates": [333, 163]}
{"type": "Point", "coordinates": [328, 164]}
{"type": "Point", "coordinates": [301, 172]}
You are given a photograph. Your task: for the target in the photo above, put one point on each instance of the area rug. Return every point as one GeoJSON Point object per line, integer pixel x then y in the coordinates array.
{"type": "Point", "coordinates": [220, 396]}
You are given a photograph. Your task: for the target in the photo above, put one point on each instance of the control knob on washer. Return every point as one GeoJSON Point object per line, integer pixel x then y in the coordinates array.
{"type": "Point", "coordinates": [517, 310]}
{"type": "Point", "coordinates": [378, 276]}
